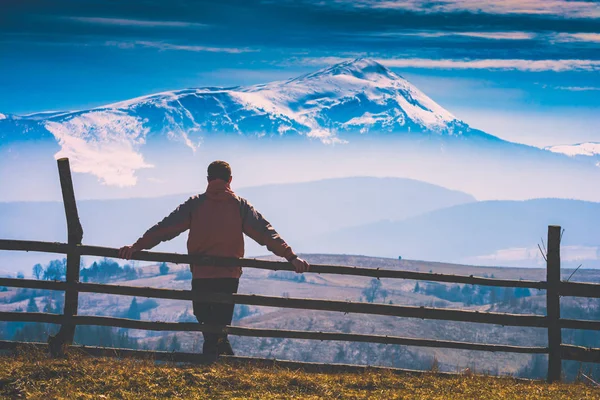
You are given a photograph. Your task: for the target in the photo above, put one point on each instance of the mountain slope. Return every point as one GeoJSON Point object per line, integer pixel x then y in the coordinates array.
{"type": "Point", "coordinates": [470, 232]}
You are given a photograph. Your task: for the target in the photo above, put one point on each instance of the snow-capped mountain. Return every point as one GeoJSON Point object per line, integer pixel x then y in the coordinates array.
{"type": "Point", "coordinates": [360, 105]}
{"type": "Point", "coordinates": [586, 152]}
{"type": "Point", "coordinates": [359, 96]}
{"type": "Point", "coordinates": [355, 96]}
{"type": "Point", "coordinates": [589, 149]}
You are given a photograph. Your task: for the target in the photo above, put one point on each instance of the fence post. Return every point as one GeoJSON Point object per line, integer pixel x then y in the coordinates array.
{"type": "Point", "coordinates": [553, 303]}
{"type": "Point", "coordinates": [75, 234]}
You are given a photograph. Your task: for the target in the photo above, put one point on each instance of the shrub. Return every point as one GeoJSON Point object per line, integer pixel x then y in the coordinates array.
{"type": "Point", "coordinates": [56, 270]}
{"type": "Point", "coordinates": [134, 311]}
{"type": "Point", "coordinates": [242, 311]}
{"type": "Point", "coordinates": [287, 276]}
{"type": "Point", "coordinates": [107, 270]}
{"type": "Point", "coordinates": [147, 304]}
{"type": "Point", "coordinates": [374, 290]}
{"type": "Point", "coordinates": [163, 268]}
{"type": "Point", "coordinates": [183, 275]}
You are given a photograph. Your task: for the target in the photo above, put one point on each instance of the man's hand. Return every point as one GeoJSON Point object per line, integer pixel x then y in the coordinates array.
{"type": "Point", "coordinates": [300, 265]}
{"type": "Point", "coordinates": [127, 251]}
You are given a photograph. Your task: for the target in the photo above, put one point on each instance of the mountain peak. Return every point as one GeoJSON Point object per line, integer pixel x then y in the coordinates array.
{"type": "Point", "coordinates": [361, 68]}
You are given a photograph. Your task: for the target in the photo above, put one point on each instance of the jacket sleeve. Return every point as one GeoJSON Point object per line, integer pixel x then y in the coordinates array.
{"type": "Point", "coordinates": [170, 227]}
{"type": "Point", "coordinates": [261, 231]}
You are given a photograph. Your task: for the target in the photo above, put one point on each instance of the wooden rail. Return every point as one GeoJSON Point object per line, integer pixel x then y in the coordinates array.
{"type": "Point", "coordinates": [311, 304]}
{"type": "Point", "coordinates": [72, 287]}
{"type": "Point", "coordinates": [85, 250]}
{"type": "Point", "coordinates": [254, 332]}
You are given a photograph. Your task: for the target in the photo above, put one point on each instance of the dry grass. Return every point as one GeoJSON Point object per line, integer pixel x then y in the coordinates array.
{"type": "Point", "coordinates": [33, 375]}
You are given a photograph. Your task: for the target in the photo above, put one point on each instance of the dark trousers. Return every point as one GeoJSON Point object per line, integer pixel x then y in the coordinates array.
{"type": "Point", "coordinates": [214, 313]}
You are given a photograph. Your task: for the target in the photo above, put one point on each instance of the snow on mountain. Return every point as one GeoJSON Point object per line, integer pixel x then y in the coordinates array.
{"type": "Point", "coordinates": [102, 143]}
{"type": "Point", "coordinates": [354, 96]}
{"type": "Point", "coordinates": [330, 105]}
{"type": "Point", "coordinates": [359, 95]}
{"type": "Point", "coordinates": [582, 149]}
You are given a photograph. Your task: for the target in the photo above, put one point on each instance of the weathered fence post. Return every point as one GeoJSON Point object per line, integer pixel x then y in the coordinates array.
{"type": "Point", "coordinates": [553, 303]}
{"type": "Point", "coordinates": [75, 234]}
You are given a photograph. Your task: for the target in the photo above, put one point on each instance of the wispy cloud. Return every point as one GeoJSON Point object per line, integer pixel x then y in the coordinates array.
{"type": "Point", "coordinates": [437, 34]}
{"type": "Point", "coordinates": [564, 8]}
{"type": "Point", "coordinates": [498, 35]}
{"type": "Point", "coordinates": [181, 47]}
{"type": "Point", "coordinates": [497, 64]}
{"type": "Point", "coordinates": [577, 37]}
{"type": "Point", "coordinates": [137, 22]}
{"type": "Point", "coordinates": [578, 88]}
{"type": "Point", "coordinates": [488, 64]}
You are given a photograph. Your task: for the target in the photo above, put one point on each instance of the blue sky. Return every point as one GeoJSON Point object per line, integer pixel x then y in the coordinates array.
{"type": "Point", "coordinates": [526, 70]}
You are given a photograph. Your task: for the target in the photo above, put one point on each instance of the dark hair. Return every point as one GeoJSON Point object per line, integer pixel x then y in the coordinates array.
{"type": "Point", "coordinates": [219, 170]}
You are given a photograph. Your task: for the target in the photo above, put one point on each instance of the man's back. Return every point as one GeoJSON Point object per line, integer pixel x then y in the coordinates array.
{"type": "Point", "coordinates": [217, 220]}
{"type": "Point", "coordinates": [216, 228]}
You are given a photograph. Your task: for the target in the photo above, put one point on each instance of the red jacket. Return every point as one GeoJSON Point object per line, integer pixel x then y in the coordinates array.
{"type": "Point", "coordinates": [217, 221]}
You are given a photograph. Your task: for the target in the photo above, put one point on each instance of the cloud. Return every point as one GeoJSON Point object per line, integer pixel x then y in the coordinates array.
{"type": "Point", "coordinates": [181, 47]}
{"type": "Point", "coordinates": [577, 88]}
{"type": "Point", "coordinates": [497, 64]}
{"type": "Point", "coordinates": [564, 8]}
{"type": "Point", "coordinates": [577, 37]}
{"type": "Point", "coordinates": [137, 22]}
{"type": "Point", "coordinates": [480, 35]}
{"type": "Point", "coordinates": [104, 144]}
{"type": "Point", "coordinates": [488, 64]}
{"type": "Point", "coordinates": [498, 35]}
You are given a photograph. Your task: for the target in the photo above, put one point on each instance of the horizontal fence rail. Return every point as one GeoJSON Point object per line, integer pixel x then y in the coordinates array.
{"type": "Point", "coordinates": [579, 289]}
{"type": "Point", "coordinates": [580, 324]}
{"type": "Point", "coordinates": [579, 353]}
{"type": "Point", "coordinates": [85, 250]}
{"type": "Point", "coordinates": [68, 320]}
{"type": "Point", "coordinates": [528, 320]}
{"type": "Point", "coordinates": [273, 333]}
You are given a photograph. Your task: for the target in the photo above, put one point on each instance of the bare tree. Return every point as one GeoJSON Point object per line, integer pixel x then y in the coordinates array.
{"type": "Point", "coordinates": [37, 271]}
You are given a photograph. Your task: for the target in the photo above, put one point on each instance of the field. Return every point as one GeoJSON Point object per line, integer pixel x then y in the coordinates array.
{"type": "Point", "coordinates": [339, 287]}
{"type": "Point", "coordinates": [30, 374]}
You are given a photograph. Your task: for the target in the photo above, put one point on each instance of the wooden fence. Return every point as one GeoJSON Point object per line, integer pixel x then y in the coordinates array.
{"type": "Point", "coordinates": [74, 249]}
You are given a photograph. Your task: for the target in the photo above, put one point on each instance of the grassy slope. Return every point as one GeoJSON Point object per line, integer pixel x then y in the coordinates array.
{"type": "Point", "coordinates": [32, 375]}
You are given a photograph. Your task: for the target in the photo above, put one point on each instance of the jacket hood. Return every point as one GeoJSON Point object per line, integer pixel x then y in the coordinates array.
{"type": "Point", "coordinates": [219, 190]}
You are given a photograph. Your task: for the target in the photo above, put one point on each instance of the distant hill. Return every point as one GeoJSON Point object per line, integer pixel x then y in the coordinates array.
{"type": "Point", "coordinates": [469, 232]}
{"type": "Point", "coordinates": [299, 211]}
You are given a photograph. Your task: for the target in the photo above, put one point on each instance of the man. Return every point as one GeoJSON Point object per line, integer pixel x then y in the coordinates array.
{"type": "Point", "coordinates": [217, 221]}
